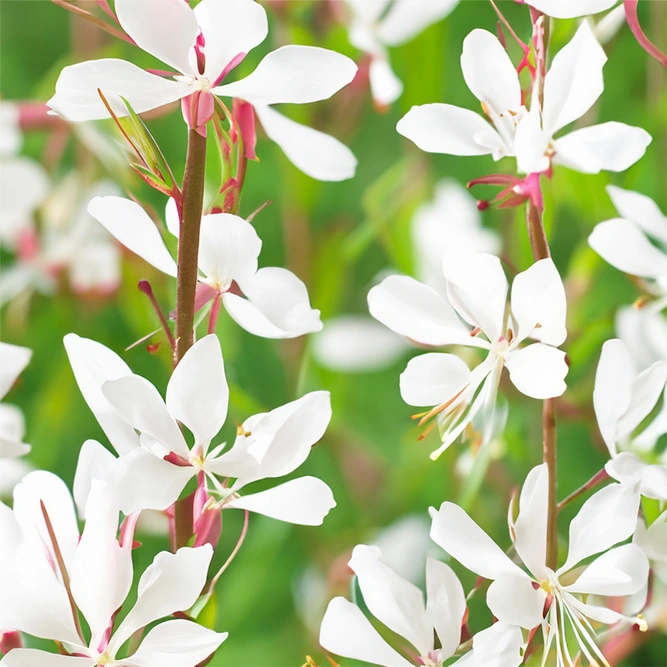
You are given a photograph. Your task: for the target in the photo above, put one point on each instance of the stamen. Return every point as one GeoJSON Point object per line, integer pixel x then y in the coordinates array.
{"type": "Point", "coordinates": [439, 408]}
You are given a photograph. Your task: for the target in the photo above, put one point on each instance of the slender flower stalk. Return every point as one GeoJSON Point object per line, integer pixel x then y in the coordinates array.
{"type": "Point", "coordinates": [598, 478]}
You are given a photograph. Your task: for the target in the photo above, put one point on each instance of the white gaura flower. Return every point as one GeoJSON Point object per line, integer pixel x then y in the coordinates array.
{"type": "Point", "coordinates": [399, 605]}
{"type": "Point", "coordinates": [644, 332]}
{"type": "Point", "coordinates": [477, 293]}
{"type": "Point", "coordinates": [572, 85]}
{"type": "Point", "coordinates": [154, 467]}
{"type": "Point", "coordinates": [540, 596]}
{"type": "Point", "coordinates": [49, 570]}
{"type": "Point", "coordinates": [623, 399]}
{"type": "Point", "coordinates": [569, 9]}
{"type": "Point", "coordinates": [203, 45]}
{"type": "Point", "coordinates": [13, 359]}
{"type": "Point", "coordinates": [276, 303]}
{"type": "Point", "coordinates": [625, 242]}
{"type": "Point", "coordinates": [376, 25]}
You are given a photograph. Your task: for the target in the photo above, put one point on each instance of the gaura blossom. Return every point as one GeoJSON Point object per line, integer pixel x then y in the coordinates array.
{"type": "Point", "coordinates": [399, 605]}
{"type": "Point", "coordinates": [375, 25]}
{"type": "Point", "coordinates": [623, 399]}
{"type": "Point", "coordinates": [625, 242]}
{"type": "Point", "coordinates": [572, 85]}
{"type": "Point", "coordinates": [540, 596]}
{"type": "Point", "coordinates": [203, 45]}
{"type": "Point", "coordinates": [13, 359]}
{"type": "Point", "coordinates": [477, 292]}
{"type": "Point", "coordinates": [154, 466]}
{"type": "Point", "coordinates": [276, 303]}
{"type": "Point", "coordinates": [45, 561]}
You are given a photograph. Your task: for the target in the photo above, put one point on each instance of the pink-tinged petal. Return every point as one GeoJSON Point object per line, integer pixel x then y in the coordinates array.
{"type": "Point", "coordinates": [466, 542]}
{"type": "Point", "coordinates": [244, 115]}
{"type": "Point", "coordinates": [315, 153]}
{"type": "Point", "coordinates": [619, 572]}
{"type": "Point", "coordinates": [277, 305]}
{"type": "Point", "coordinates": [293, 74]}
{"type": "Point", "coordinates": [609, 516]}
{"type": "Point", "coordinates": [607, 147]}
{"type": "Point", "coordinates": [171, 583]}
{"type": "Point", "coordinates": [197, 393]}
{"type": "Point", "coordinates": [433, 378]}
{"type": "Point", "coordinates": [569, 9]}
{"type": "Point", "coordinates": [394, 601]}
{"type": "Point", "coordinates": [229, 28]}
{"type": "Point", "coordinates": [574, 80]}
{"type": "Point", "coordinates": [177, 643]}
{"type": "Point", "coordinates": [418, 312]}
{"type": "Point", "coordinates": [530, 529]}
{"type": "Point", "coordinates": [168, 31]}
{"type": "Point", "coordinates": [386, 87]}
{"type": "Point", "coordinates": [624, 246]}
{"type": "Point", "coordinates": [77, 97]}
{"type": "Point", "coordinates": [304, 501]}
{"type": "Point", "coordinates": [405, 19]}
{"type": "Point", "coordinates": [95, 462]}
{"type": "Point", "coordinates": [539, 305]}
{"type": "Point", "coordinates": [489, 72]}
{"type": "Point", "coordinates": [641, 210]}
{"type": "Point", "coordinates": [32, 657]}
{"type": "Point", "coordinates": [443, 128]}
{"type": "Point", "coordinates": [346, 631]}
{"type": "Point", "coordinates": [93, 364]}
{"type": "Point", "coordinates": [514, 600]}
{"type": "Point", "coordinates": [132, 226]}
{"type": "Point", "coordinates": [13, 359]}
{"type": "Point", "coordinates": [538, 370]}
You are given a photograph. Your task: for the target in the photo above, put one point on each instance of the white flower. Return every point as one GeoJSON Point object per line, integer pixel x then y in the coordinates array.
{"type": "Point", "coordinates": [399, 605]}
{"type": "Point", "coordinates": [276, 303]}
{"type": "Point", "coordinates": [13, 359]}
{"type": "Point", "coordinates": [624, 241]}
{"type": "Point", "coordinates": [203, 45]}
{"type": "Point", "coordinates": [569, 9]}
{"type": "Point", "coordinates": [37, 598]}
{"type": "Point", "coordinates": [155, 466]}
{"type": "Point", "coordinates": [376, 25]}
{"type": "Point", "coordinates": [542, 596]}
{"type": "Point", "coordinates": [571, 87]}
{"type": "Point", "coordinates": [477, 290]}
{"type": "Point", "coordinates": [623, 399]}
{"type": "Point", "coordinates": [644, 331]}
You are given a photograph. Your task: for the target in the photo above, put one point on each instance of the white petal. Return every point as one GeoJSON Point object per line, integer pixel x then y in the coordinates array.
{"type": "Point", "coordinates": [530, 144]}
{"type": "Point", "coordinates": [539, 305]}
{"type": "Point", "coordinates": [406, 19]}
{"type": "Point", "coordinates": [652, 540]}
{"type": "Point", "coordinates": [445, 605]}
{"type": "Point", "coordinates": [642, 210]}
{"type": "Point", "coordinates": [93, 364]}
{"type": "Point", "coordinates": [538, 370]}
{"type": "Point", "coordinates": [530, 528]}
{"type": "Point", "coordinates": [644, 331]}
{"type": "Point", "coordinates": [607, 147]}
{"type": "Point", "coordinates": [277, 305]}
{"type": "Point", "coordinates": [489, 72]}
{"type": "Point", "coordinates": [197, 393]}
{"type": "Point", "coordinates": [646, 391]}
{"type": "Point", "coordinates": [444, 128]}
{"type": "Point", "coordinates": [171, 217]}
{"type": "Point", "coordinates": [621, 571]}
{"type": "Point", "coordinates": [315, 153]}
{"type": "Point", "coordinates": [132, 226]}
{"type": "Point", "coordinates": [177, 643]}
{"type": "Point", "coordinates": [654, 482]}
{"type": "Point", "coordinates": [138, 402]}
{"type": "Point", "coordinates": [77, 97]}
{"type": "Point", "coordinates": [501, 645]}
{"type": "Point", "coordinates": [569, 9]}
{"type": "Point", "coordinates": [356, 344]}
{"type": "Point", "coordinates": [171, 583]}
{"type": "Point", "coordinates": [433, 378]}
{"type": "Point", "coordinates": [514, 600]}
{"type": "Point", "coordinates": [417, 311]}
{"type": "Point", "coordinates": [228, 249]}
{"type": "Point", "coordinates": [305, 501]}
{"type": "Point", "coordinates": [13, 359]}
{"type": "Point", "coordinates": [465, 541]}
{"type": "Point", "coordinates": [394, 601]}
{"type": "Point", "coordinates": [597, 613]}
{"type": "Point", "coordinates": [574, 80]}
{"type": "Point", "coordinates": [229, 29]}
{"type": "Point", "coordinates": [386, 87]}
{"type": "Point", "coordinates": [609, 516]}
{"type": "Point", "coordinates": [169, 33]}
{"type": "Point", "coordinates": [626, 468]}
{"type": "Point", "coordinates": [32, 657]}
{"type": "Point", "coordinates": [293, 74]}
{"type": "Point", "coordinates": [95, 462]}
{"type": "Point", "coordinates": [347, 632]}
{"type": "Point", "coordinates": [624, 246]}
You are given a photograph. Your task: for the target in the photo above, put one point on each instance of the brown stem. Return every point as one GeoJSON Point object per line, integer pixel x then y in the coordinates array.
{"type": "Point", "coordinates": [188, 243]}
{"type": "Point", "coordinates": [536, 233]}
{"type": "Point", "coordinates": [590, 484]}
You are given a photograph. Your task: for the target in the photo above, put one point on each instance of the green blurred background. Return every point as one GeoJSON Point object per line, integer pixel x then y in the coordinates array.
{"type": "Point", "coordinates": [337, 236]}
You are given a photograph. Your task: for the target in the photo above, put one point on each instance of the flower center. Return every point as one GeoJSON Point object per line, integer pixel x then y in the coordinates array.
{"type": "Point", "coordinates": [198, 82]}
